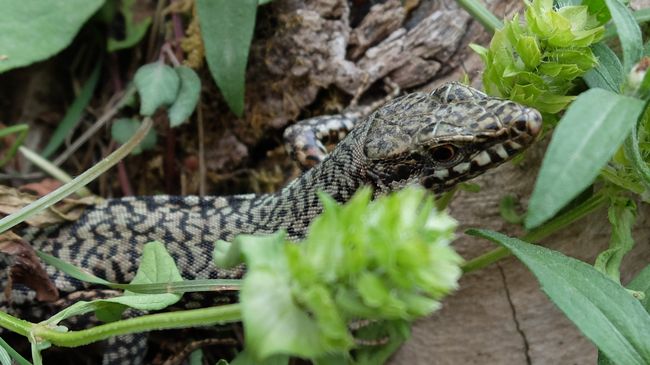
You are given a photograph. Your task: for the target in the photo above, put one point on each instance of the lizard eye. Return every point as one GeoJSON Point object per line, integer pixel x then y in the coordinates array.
{"type": "Point", "coordinates": [444, 153]}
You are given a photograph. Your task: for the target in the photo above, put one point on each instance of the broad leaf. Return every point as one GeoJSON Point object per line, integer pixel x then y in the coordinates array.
{"type": "Point", "coordinates": [33, 30]}
{"type": "Point", "coordinates": [227, 30]}
{"type": "Point", "coordinates": [157, 85]}
{"type": "Point", "coordinates": [157, 266]}
{"type": "Point", "coordinates": [584, 140]}
{"type": "Point", "coordinates": [603, 310]}
{"type": "Point", "coordinates": [134, 29]}
{"type": "Point", "coordinates": [268, 305]}
{"type": "Point", "coordinates": [188, 96]}
{"type": "Point", "coordinates": [122, 130]}
{"type": "Point", "coordinates": [608, 74]}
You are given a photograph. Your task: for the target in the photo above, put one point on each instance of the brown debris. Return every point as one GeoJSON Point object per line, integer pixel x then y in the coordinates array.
{"type": "Point", "coordinates": [12, 200]}
{"type": "Point", "coordinates": [26, 268]}
{"type": "Point", "coordinates": [382, 20]}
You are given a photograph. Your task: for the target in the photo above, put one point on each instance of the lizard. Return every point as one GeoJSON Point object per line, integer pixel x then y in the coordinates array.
{"type": "Point", "coordinates": [435, 139]}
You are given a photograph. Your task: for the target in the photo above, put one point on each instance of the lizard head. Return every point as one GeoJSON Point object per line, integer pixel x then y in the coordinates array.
{"type": "Point", "coordinates": [439, 139]}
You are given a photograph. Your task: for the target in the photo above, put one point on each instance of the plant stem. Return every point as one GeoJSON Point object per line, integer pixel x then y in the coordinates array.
{"type": "Point", "coordinates": [82, 180]}
{"type": "Point", "coordinates": [159, 321]}
{"type": "Point", "coordinates": [14, 324]}
{"type": "Point", "coordinates": [479, 12]}
{"type": "Point", "coordinates": [552, 226]}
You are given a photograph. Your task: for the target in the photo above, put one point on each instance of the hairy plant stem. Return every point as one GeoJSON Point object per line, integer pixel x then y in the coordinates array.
{"type": "Point", "coordinates": [594, 202]}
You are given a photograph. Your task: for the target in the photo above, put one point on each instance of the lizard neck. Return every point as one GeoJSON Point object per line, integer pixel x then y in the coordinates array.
{"type": "Point", "coordinates": [297, 204]}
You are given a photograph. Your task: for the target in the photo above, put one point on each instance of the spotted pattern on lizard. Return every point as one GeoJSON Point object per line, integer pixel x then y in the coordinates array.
{"type": "Point", "coordinates": [435, 139]}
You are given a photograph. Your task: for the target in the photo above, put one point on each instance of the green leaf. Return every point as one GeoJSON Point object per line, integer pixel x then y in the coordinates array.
{"type": "Point", "coordinates": [5, 359]}
{"type": "Point", "coordinates": [134, 30]}
{"type": "Point", "coordinates": [268, 307]}
{"type": "Point", "coordinates": [123, 129]}
{"type": "Point", "coordinates": [508, 211]}
{"type": "Point", "coordinates": [33, 30]}
{"type": "Point", "coordinates": [622, 215]}
{"type": "Point", "coordinates": [156, 266]}
{"type": "Point", "coordinates": [15, 355]}
{"type": "Point", "coordinates": [603, 310]}
{"type": "Point", "coordinates": [73, 114]}
{"type": "Point", "coordinates": [629, 33]}
{"type": "Point", "coordinates": [188, 96]}
{"type": "Point", "coordinates": [641, 283]}
{"type": "Point", "coordinates": [157, 85]}
{"type": "Point", "coordinates": [227, 30]}
{"type": "Point", "coordinates": [227, 255]}
{"type": "Point", "coordinates": [584, 140]}
{"type": "Point", "coordinates": [196, 357]}
{"type": "Point", "coordinates": [608, 74]}
{"type": "Point", "coordinates": [70, 269]}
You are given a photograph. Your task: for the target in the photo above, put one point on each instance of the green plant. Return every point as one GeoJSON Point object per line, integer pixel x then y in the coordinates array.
{"type": "Point", "coordinates": [548, 64]}
{"type": "Point", "coordinates": [393, 271]}
{"type": "Point", "coordinates": [540, 65]}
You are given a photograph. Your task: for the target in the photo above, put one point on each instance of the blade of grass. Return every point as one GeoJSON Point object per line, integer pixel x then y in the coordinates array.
{"type": "Point", "coordinates": [21, 130]}
{"type": "Point", "coordinates": [18, 358]}
{"type": "Point", "coordinates": [73, 114]}
{"type": "Point", "coordinates": [81, 180]}
{"type": "Point", "coordinates": [51, 169]}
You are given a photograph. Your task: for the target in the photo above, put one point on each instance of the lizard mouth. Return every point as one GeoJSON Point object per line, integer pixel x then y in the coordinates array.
{"type": "Point", "coordinates": [522, 131]}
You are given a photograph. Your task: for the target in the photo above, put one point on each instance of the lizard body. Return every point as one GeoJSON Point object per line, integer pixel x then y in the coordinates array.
{"type": "Point", "coordinates": [435, 139]}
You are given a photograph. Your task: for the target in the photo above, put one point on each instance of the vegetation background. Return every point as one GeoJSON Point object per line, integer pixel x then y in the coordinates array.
{"type": "Point", "coordinates": [499, 316]}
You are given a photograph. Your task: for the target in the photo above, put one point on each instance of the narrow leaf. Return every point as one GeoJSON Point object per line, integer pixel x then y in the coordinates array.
{"type": "Point", "coordinates": [628, 32]}
{"type": "Point", "coordinates": [33, 30]}
{"type": "Point", "coordinates": [227, 30]}
{"type": "Point", "coordinates": [15, 355]}
{"type": "Point", "coordinates": [70, 269]}
{"type": "Point", "coordinates": [188, 96]}
{"type": "Point", "coordinates": [584, 140]}
{"type": "Point", "coordinates": [602, 309]}
{"type": "Point", "coordinates": [73, 114]}
{"type": "Point", "coordinates": [157, 85]}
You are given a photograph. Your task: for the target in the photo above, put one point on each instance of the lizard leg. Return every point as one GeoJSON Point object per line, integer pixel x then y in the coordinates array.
{"type": "Point", "coordinates": [306, 140]}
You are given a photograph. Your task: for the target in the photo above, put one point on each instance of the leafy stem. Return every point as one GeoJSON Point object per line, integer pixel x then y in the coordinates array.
{"type": "Point", "coordinates": [482, 14]}
{"type": "Point", "coordinates": [159, 321]}
{"type": "Point", "coordinates": [595, 202]}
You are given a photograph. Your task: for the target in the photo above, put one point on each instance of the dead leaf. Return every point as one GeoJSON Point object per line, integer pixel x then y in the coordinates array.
{"type": "Point", "coordinates": [67, 210]}
{"type": "Point", "coordinates": [26, 268]}
{"type": "Point", "coordinates": [42, 187]}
